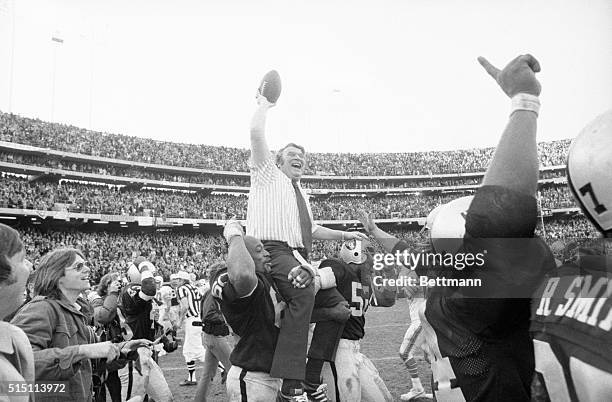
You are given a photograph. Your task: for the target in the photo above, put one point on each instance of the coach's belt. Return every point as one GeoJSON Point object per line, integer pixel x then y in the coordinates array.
{"type": "Point", "coordinates": [197, 323]}
{"type": "Point", "coordinates": [281, 243]}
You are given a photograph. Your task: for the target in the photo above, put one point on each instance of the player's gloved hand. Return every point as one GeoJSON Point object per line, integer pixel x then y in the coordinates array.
{"type": "Point", "coordinates": [232, 228]}
{"type": "Point", "coordinates": [148, 289]}
{"type": "Point", "coordinates": [300, 276]}
{"type": "Point", "coordinates": [367, 220]}
{"type": "Point", "coordinates": [517, 77]}
{"type": "Point", "coordinates": [354, 236]}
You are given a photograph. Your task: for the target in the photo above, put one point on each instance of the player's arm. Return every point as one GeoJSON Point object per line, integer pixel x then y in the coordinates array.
{"type": "Point", "coordinates": [259, 146]}
{"type": "Point", "coordinates": [240, 265]}
{"type": "Point", "coordinates": [323, 233]}
{"type": "Point", "coordinates": [511, 180]}
{"type": "Point", "coordinates": [387, 240]}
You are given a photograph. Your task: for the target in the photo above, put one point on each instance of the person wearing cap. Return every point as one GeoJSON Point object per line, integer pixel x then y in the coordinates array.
{"type": "Point", "coordinates": [190, 301]}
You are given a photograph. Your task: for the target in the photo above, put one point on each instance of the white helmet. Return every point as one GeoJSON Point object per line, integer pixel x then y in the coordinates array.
{"type": "Point", "coordinates": [589, 171]}
{"type": "Point", "coordinates": [353, 252]}
{"type": "Point", "coordinates": [431, 218]}
{"type": "Point", "coordinates": [448, 227]}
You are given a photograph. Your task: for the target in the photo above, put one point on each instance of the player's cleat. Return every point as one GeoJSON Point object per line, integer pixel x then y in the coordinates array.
{"type": "Point", "coordinates": [187, 382]}
{"type": "Point", "coordinates": [414, 393]}
{"type": "Point", "coordinates": [270, 86]}
{"type": "Point", "coordinates": [318, 395]}
{"type": "Point", "coordinates": [296, 398]}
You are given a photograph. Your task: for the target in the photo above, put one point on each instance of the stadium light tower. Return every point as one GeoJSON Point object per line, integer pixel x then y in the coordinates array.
{"type": "Point", "coordinates": [57, 41]}
{"type": "Point", "coordinates": [12, 65]}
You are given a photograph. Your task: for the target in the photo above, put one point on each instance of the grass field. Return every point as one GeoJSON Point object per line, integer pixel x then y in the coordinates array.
{"type": "Point", "coordinates": [385, 328]}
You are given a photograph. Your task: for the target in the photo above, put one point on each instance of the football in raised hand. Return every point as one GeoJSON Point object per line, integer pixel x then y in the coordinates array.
{"type": "Point", "coordinates": [270, 86]}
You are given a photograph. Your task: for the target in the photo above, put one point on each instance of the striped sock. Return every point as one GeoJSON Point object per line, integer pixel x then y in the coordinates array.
{"type": "Point", "coordinates": [191, 368]}
{"type": "Point", "coordinates": [413, 370]}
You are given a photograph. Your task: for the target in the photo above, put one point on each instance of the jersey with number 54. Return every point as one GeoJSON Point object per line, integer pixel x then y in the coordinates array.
{"type": "Point", "coordinates": [352, 288]}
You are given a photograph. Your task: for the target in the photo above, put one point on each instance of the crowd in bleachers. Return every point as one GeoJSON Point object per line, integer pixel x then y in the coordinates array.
{"type": "Point", "coordinates": [108, 251]}
{"type": "Point", "coordinates": [194, 251]}
{"type": "Point", "coordinates": [16, 192]}
{"type": "Point", "coordinates": [68, 138]}
{"type": "Point", "coordinates": [102, 199]}
{"type": "Point", "coordinates": [106, 169]}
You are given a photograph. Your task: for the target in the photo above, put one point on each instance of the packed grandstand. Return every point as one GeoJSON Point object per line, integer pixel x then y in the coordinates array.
{"type": "Point", "coordinates": [115, 195]}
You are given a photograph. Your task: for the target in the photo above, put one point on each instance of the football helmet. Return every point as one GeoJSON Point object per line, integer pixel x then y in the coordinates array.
{"type": "Point", "coordinates": [431, 218]}
{"type": "Point", "coordinates": [448, 227]}
{"type": "Point", "coordinates": [354, 251]}
{"type": "Point", "coordinates": [589, 171]}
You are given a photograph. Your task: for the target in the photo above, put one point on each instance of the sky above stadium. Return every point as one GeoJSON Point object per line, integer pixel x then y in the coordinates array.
{"type": "Point", "coordinates": [358, 76]}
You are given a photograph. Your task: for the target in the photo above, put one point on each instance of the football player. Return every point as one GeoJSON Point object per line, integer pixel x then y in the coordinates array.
{"type": "Point", "coordinates": [414, 336]}
{"type": "Point", "coordinates": [252, 307]}
{"type": "Point", "coordinates": [572, 310]}
{"type": "Point", "coordinates": [477, 337]}
{"type": "Point", "coordinates": [354, 376]}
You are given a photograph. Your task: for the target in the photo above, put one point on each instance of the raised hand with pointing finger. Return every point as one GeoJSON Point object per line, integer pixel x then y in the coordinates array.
{"type": "Point", "coordinates": [517, 77]}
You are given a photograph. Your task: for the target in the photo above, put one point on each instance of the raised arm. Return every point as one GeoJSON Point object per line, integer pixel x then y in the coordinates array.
{"type": "Point", "coordinates": [505, 206]}
{"type": "Point", "coordinates": [387, 240]}
{"type": "Point", "coordinates": [515, 163]}
{"type": "Point", "coordinates": [259, 146]}
{"type": "Point", "coordinates": [240, 265]}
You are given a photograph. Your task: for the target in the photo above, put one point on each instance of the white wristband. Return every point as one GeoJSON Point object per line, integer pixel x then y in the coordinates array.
{"type": "Point", "coordinates": [522, 101]}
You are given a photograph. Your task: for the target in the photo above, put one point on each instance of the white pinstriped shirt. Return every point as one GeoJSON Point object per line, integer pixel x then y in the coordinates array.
{"type": "Point", "coordinates": [272, 212]}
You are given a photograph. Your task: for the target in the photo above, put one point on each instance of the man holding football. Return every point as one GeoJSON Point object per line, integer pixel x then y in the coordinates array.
{"type": "Point", "coordinates": [279, 214]}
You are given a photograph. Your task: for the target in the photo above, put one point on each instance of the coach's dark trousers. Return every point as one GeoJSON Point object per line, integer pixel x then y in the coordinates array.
{"type": "Point", "coordinates": [290, 356]}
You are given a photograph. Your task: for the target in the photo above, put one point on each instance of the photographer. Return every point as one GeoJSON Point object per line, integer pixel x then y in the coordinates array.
{"type": "Point", "coordinates": [135, 307]}
{"type": "Point", "coordinates": [108, 328]}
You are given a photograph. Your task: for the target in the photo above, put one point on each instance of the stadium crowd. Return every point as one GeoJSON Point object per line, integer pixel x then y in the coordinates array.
{"type": "Point", "coordinates": [106, 169]}
{"type": "Point", "coordinates": [23, 130]}
{"type": "Point", "coordinates": [102, 199]}
{"type": "Point", "coordinates": [194, 251]}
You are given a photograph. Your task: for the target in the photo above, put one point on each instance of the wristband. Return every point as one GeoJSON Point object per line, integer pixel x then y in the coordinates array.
{"type": "Point", "coordinates": [523, 101]}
